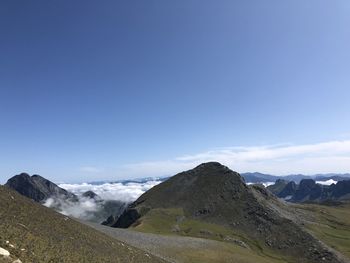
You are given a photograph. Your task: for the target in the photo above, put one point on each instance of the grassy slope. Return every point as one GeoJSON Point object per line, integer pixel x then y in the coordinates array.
{"type": "Point", "coordinates": [219, 254]}
{"type": "Point", "coordinates": [163, 221]}
{"type": "Point", "coordinates": [331, 224]}
{"type": "Point", "coordinates": [39, 234]}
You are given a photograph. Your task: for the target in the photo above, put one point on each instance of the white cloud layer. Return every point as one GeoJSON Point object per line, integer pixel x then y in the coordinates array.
{"type": "Point", "coordinates": [325, 157]}
{"type": "Point", "coordinates": [83, 209]}
{"type": "Point", "coordinates": [112, 191]}
{"type": "Point", "coordinates": [112, 199]}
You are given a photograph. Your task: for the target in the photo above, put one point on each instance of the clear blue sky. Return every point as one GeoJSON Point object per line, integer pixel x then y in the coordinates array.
{"type": "Point", "coordinates": [88, 87]}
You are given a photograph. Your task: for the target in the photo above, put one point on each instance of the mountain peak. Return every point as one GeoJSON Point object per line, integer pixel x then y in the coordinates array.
{"type": "Point", "coordinates": [210, 170]}
{"type": "Point", "coordinates": [210, 165]}
{"type": "Point", "coordinates": [36, 187]}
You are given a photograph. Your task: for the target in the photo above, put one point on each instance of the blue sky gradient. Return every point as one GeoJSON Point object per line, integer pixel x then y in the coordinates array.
{"type": "Point", "coordinates": [89, 88]}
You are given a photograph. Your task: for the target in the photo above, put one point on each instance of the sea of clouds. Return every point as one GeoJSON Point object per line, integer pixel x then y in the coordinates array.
{"type": "Point", "coordinates": [124, 192]}
{"type": "Point", "coordinates": [112, 199]}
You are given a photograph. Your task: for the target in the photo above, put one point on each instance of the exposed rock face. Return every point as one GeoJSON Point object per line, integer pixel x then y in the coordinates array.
{"type": "Point", "coordinates": [213, 193]}
{"type": "Point", "coordinates": [37, 188]}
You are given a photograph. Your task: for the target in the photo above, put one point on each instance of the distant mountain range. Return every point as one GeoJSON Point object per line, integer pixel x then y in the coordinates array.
{"type": "Point", "coordinates": [309, 191]}
{"type": "Point", "coordinates": [254, 177]}
{"type": "Point", "coordinates": [264, 178]}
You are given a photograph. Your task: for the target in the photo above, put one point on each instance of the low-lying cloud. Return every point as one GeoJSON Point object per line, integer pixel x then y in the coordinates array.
{"type": "Point", "coordinates": [266, 184]}
{"type": "Point", "coordinates": [327, 182]}
{"type": "Point", "coordinates": [111, 200]}
{"type": "Point", "coordinates": [84, 208]}
{"type": "Point", "coordinates": [124, 192]}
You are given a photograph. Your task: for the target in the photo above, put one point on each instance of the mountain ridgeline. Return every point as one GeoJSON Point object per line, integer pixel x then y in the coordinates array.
{"type": "Point", "coordinates": [214, 194]}
{"type": "Point", "coordinates": [309, 191]}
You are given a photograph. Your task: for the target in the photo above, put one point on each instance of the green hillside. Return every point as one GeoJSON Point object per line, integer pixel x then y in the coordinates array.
{"type": "Point", "coordinates": [331, 224]}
